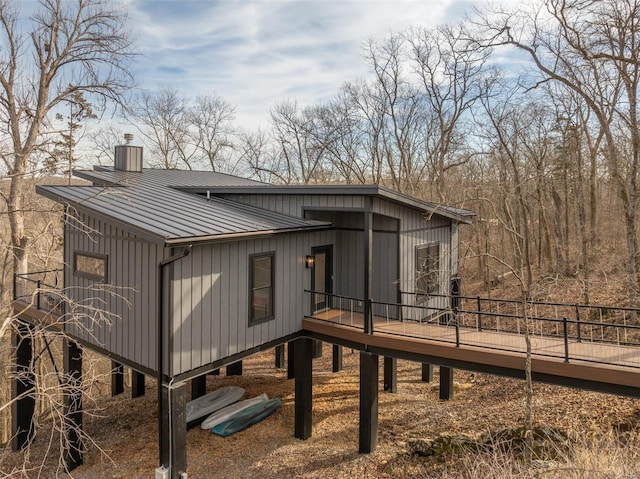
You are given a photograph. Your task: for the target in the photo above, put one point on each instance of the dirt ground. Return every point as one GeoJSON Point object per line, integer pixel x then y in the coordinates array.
{"type": "Point", "coordinates": [126, 429]}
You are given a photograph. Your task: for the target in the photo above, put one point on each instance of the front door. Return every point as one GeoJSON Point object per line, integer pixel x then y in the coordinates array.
{"type": "Point", "coordinates": [321, 278]}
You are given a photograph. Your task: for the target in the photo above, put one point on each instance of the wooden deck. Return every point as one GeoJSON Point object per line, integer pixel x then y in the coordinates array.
{"type": "Point", "coordinates": [42, 317]}
{"type": "Point", "coordinates": [589, 362]}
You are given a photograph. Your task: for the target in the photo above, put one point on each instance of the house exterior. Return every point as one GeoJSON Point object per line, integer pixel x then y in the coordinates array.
{"type": "Point", "coordinates": [192, 271]}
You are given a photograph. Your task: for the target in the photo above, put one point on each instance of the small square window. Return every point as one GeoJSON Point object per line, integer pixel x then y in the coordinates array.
{"type": "Point", "coordinates": [261, 290]}
{"type": "Point", "coordinates": [90, 265]}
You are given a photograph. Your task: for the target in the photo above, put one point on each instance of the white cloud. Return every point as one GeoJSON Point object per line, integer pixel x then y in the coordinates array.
{"type": "Point", "coordinates": [256, 53]}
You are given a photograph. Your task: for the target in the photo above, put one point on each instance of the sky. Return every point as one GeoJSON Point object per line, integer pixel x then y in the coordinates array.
{"type": "Point", "coordinates": [255, 54]}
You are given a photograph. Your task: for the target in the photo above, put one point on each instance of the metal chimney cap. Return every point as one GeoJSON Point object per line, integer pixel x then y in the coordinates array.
{"type": "Point", "coordinates": [128, 138]}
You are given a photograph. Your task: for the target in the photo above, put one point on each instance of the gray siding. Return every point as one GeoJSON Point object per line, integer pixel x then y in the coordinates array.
{"type": "Point", "coordinates": [207, 301]}
{"type": "Point", "coordinates": [210, 297]}
{"type": "Point", "coordinates": [294, 205]}
{"type": "Point", "coordinates": [121, 315]}
{"type": "Point", "coordinates": [415, 229]}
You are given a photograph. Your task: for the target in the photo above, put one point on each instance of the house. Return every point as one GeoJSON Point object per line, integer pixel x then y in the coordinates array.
{"type": "Point", "coordinates": [198, 270]}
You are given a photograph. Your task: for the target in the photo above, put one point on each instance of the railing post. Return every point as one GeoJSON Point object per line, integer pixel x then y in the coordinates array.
{"type": "Point", "coordinates": [566, 339]}
{"type": "Point", "coordinates": [368, 324]}
{"type": "Point", "coordinates": [455, 315]}
{"type": "Point", "coordinates": [38, 285]}
{"type": "Point", "coordinates": [578, 329]}
{"type": "Point", "coordinates": [479, 315]}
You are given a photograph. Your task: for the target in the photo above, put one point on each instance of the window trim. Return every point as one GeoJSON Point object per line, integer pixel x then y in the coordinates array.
{"type": "Point", "coordinates": [422, 295]}
{"type": "Point", "coordinates": [86, 274]}
{"type": "Point", "coordinates": [252, 320]}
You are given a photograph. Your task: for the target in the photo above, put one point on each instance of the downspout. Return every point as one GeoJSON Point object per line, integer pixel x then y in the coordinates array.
{"type": "Point", "coordinates": [159, 355]}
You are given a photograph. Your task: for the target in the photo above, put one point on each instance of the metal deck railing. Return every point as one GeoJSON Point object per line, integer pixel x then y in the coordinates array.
{"type": "Point", "coordinates": [41, 290]}
{"type": "Point", "coordinates": [570, 332]}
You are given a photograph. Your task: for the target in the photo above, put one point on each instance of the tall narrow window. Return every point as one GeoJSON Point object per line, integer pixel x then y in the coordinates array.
{"type": "Point", "coordinates": [261, 288]}
{"type": "Point", "coordinates": [427, 270]}
{"type": "Point", "coordinates": [90, 265]}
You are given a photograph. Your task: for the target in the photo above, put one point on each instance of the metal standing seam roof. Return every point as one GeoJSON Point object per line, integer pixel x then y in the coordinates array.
{"type": "Point", "coordinates": [168, 206]}
{"type": "Point", "coordinates": [175, 217]}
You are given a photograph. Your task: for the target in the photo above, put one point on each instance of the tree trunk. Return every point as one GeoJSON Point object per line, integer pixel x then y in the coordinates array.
{"type": "Point", "coordinates": [15, 212]}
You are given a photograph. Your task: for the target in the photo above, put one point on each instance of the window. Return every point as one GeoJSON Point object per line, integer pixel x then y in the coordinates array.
{"type": "Point", "coordinates": [90, 265]}
{"type": "Point", "coordinates": [427, 270]}
{"type": "Point", "coordinates": [261, 288]}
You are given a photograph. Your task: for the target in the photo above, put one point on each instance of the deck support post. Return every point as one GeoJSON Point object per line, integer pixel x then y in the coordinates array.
{"type": "Point", "coordinates": [235, 369]}
{"type": "Point", "coordinates": [117, 378]}
{"type": "Point", "coordinates": [303, 363]}
{"type": "Point", "coordinates": [446, 383]}
{"type": "Point", "coordinates": [336, 360]}
{"type": "Point", "coordinates": [291, 355]}
{"type": "Point", "coordinates": [279, 360]}
{"type": "Point", "coordinates": [23, 405]}
{"type": "Point", "coordinates": [173, 447]}
{"type": "Point", "coordinates": [72, 391]}
{"type": "Point", "coordinates": [137, 384]}
{"type": "Point", "coordinates": [317, 349]}
{"type": "Point", "coordinates": [368, 438]}
{"type": "Point", "coordinates": [390, 374]}
{"type": "Point", "coordinates": [427, 372]}
{"type": "Point", "coordinates": [199, 386]}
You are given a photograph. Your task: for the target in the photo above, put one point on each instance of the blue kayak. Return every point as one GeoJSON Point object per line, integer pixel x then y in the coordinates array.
{"type": "Point", "coordinates": [247, 417]}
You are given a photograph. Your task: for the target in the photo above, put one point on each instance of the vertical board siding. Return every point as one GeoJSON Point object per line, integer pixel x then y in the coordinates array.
{"type": "Point", "coordinates": [209, 296]}
{"type": "Point", "coordinates": [215, 307]}
{"type": "Point", "coordinates": [121, 316]}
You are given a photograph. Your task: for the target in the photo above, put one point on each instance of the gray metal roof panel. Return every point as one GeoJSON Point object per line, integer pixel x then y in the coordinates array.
{"type": "Point", "coordinates": [176, 215]}
{"type": "Point", "coordinates": [157, 177]}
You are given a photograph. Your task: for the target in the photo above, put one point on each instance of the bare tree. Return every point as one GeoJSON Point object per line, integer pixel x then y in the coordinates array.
{"type": "Point", "coordinates": [451, 74]}
{"type": "Point", "coordinates": [256, 152]}
{"type": "Point", "coordinates": [504, 116]}
{"type": "Point", "coordinates": [403, 114]}
{"type": "Point", "coordinates": [103, 140]}
{"type": "Point", "coordinates": [211, 129]}
{"type": "Point", "coordinates": [303, 138]}
{"type": "Point", "coordinates": [65, 48]}
{"type": "Point", "coordinates": [63, 156]}
{"type": "Point", "coordinates": [161, 118]}
{"type": "Point", "coordinates": [590, 48]}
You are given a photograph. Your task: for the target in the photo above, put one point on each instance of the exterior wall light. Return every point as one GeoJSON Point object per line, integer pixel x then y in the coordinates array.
{"type": "Point", "coordinates": [309, 261]}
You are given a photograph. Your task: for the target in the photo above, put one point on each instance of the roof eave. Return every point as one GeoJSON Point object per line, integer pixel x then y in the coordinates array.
{"type": "Point", "coordinates": [214, 238]}
{"type": "Point", "coordinates": [140, 232]}
{"type": "Point", "coordinates": [365, 190]}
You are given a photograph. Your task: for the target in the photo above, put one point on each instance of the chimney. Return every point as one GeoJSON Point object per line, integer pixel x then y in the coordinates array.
{"type": "Point", "coordinates": [128, 157]}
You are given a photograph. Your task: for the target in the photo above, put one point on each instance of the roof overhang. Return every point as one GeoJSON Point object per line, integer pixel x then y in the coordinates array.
{"type": "Point", "coordinates": [455, 214]}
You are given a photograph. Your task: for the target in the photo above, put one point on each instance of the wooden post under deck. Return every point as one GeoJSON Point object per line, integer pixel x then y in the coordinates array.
{"type": "Point", "coordinates": [390, 374]}
{"type": "Point", "coordinates": [137, 384]}
{"type": "Point", "coordinates": [235, 369]}
{"type": "Point", "coordinates": [303, 366]}
{"type": "Point", "coordinates": [446, 383]}
{"type": "Point", "coordinates": [117, 378]}
{"type": "Point", "coordinates": [199, 386]}
{"type": "Point", "coordinates": [368, 439]}
{"type": "Point", "coordinates": [72, 428]}
{"type": "Point", "coordinates": [427, 372]}
{"type": "Point", "coordinates": [279, 360]}
{"type": "Point", "coordinates": [23, 405]}
{"type": "Point", "coordinates": [336, 360]}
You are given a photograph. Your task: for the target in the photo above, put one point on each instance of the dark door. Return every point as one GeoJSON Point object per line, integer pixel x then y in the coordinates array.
{"type": "Point", "coordinates": [322, 278]}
